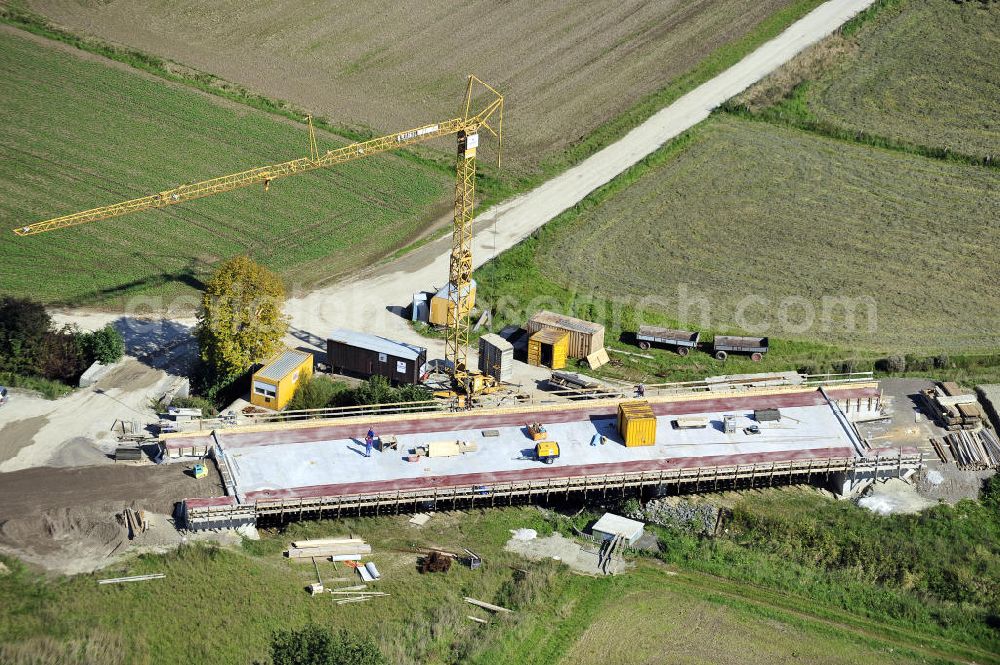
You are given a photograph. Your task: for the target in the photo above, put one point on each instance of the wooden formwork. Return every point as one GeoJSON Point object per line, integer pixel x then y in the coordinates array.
{"type": "Point", "coordinates": [684, 480]}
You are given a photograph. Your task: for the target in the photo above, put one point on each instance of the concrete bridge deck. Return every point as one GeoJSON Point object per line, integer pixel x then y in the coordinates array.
{"type": "Point", "coordinates": [324, 465]}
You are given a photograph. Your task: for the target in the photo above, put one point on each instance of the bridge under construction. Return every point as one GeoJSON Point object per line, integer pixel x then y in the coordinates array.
{"type": "Point", "coordinates": [309, 470]}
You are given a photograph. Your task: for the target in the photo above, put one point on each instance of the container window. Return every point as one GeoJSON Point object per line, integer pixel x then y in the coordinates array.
{"type": "Point", "coordinates": [264, 389]}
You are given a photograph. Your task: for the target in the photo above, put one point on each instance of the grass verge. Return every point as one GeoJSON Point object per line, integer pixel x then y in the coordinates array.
{"type": "Point", "coordinates": [45, 387]}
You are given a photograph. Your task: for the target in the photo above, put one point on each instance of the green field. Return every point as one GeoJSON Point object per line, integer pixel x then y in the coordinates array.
{"type": "Point", "coordinates": [78, 133]}
{"type": "Point", "coordinates": [748, 597]}
{"type": "Point", "coordinates": [926, 74]}
{"type": "Point", "coordinates": [745, 214]}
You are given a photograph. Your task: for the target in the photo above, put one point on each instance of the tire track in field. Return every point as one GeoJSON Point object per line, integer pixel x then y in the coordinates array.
{"type": "Point", "coordinates": [861, 626]}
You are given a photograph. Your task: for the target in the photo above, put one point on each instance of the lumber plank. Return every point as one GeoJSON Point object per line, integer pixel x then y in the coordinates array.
{"type": "Point", "coordinates": [487, 606]}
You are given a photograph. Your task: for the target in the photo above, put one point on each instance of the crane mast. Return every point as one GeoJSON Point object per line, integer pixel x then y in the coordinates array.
{"type": "Point", "coordinates": [466, 128]}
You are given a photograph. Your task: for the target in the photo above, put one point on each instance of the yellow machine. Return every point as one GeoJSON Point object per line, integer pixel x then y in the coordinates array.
{"type": "Point", "coordinates": [200, 471]}
{"type": "Point", "coordinates": [465, 380]}
{"type": "Point", "coordinates": [547, 451]}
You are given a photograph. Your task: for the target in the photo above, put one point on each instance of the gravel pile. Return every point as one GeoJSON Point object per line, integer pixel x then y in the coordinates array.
{"type": "Point", "coordinates": [680, 514]}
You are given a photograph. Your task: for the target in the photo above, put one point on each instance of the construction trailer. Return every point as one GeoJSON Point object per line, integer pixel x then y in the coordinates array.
{"type": "Point", "coordinates": [637, 423]}
{"type": "Point", "coordinates": [365, 355]}
{"type": "Point", "coordinates": [585, 337]}
{"type": "Point", "coordinates": [274, 384]}
{"type": "Point", "coordinates": [447, 298]}
{"type": "Point", "coordinates": [496, 357]}
{"type": "Point", "coordinates": [548, 348]}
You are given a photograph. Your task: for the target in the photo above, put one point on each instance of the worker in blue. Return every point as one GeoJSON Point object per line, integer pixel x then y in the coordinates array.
{"type": "Point", "coordinates": [369, 442]}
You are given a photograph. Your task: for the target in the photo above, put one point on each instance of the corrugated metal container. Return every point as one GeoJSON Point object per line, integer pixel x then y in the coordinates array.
{"type": "Point", "coordinates": [496, 357]}
{"type": "Point", "coordinates": [548, 348]}
{"type": "Point", "coordinates": [439, 303]}
{"type": "Point", "coordinates": [421, 310]}
{"type": "Point", "coordinates": [637, 423]}
{"type": "Point", "coordinates": [584, 337]}
{"type": "Point", "coordinates": [366, 355]}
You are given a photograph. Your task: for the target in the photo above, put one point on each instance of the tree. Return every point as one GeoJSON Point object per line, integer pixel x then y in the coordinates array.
{"type": "Point", "coordinates": [241, 321]}
{"type": "Point", "coordinates": [105, 345]}
{"type": "Point", "coordinates": [24, 326]}
{"type": "Point", "coordinates": [315, 645]}
{"type": "Point", "coordinates": [61, 356]}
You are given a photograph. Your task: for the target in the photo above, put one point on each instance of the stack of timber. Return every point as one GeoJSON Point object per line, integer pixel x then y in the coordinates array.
{"type": "Point", "coordinates": [335, 549]}
{"type": "Point", "coordinates": [135, 521]}
{"type": "Point", "coordinates": [952, 407]}
{"type": "Point", "coordinates": [974, 451]}
{"type": "Point", "coordinates": [580, 384]}
{"type": "Point", "coordinates": [940, 449]}
{"type": "Point", "coordinates": [353, 594]}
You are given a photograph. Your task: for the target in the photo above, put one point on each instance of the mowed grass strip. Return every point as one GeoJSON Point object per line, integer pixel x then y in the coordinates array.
{"type": "Point", "coordinates": [78, 134]}
{"type": "Point", "coordinates": [660, 623]}
{"type": "Point", "coordinates": [785, 218]}
{"type": "Point", "coordinates": [925, 74]}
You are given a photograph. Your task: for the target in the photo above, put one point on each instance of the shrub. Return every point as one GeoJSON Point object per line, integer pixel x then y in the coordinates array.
{"type": "Point", "coordinates": [194, 402]}
{"type": "Point", "coordinates": [319, 392]}
{"type": "Point", "coordinates": [894, 364]}
{"type": "Point", "coordinates": [315, 645]}
{"type": "Point", "coordinates": [105, 346]}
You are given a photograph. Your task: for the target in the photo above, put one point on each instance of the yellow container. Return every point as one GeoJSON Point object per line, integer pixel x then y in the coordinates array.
{"type": "Point", "coordinates": [637, 423]}
{"type": "Point", "coordinates": [444, 299]}
{"type": "Point", "coordinates": [548, 348]}
{"type": "Point", "coordinates": [274, 384]}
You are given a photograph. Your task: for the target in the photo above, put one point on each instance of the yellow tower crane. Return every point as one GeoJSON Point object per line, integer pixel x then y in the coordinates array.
{"type": "Point", "coordinates": [466, 128]}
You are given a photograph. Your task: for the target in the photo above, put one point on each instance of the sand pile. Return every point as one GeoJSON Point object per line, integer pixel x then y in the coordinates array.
{"type": "Point", "coordinates": [69, 540]}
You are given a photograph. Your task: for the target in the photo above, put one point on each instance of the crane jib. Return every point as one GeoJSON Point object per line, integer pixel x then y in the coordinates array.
{"type": "Point", "coordinates": [260, 175]}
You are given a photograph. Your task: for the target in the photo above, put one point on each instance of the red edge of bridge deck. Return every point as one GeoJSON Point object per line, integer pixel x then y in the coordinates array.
{"type": "Point", "coordinates": [541, 473]}
{"type": "Point", "coordinates": [211, 502]}
{"type": "Point", "coordinates": [444, 423]}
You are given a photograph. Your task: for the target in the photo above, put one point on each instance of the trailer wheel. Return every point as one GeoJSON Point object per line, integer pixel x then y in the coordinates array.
{"type": "Point", "coordinates": [683, 350]}
{"type": "Point", "coordinates": [756, 357]}
{"type": "Point", "coordinates": [644, 345]}
{"type": "Point", "coordinates": [721, 355]}
{"type": "Point", "coordinates": [549, 460]}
